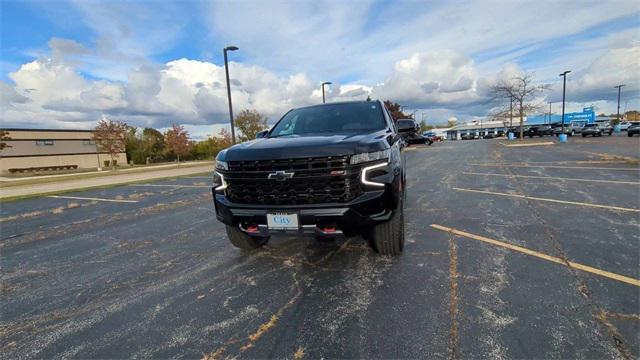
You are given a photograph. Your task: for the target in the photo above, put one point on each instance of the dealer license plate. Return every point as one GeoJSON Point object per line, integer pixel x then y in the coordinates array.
{"type": "Point", "coordinates": [282, 221]}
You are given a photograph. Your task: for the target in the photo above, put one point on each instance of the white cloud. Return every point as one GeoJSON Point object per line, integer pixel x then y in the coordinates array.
{"type": "Point", "coordinates": [597, 81]}
{"type": "Point", "coordinates": [431, 79]}
{"type": "Point", "coordinates": [51, 92]}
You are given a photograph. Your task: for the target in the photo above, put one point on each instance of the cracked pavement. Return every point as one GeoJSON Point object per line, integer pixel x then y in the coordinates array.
{"type": "Point", "coordinates": [158, 278]}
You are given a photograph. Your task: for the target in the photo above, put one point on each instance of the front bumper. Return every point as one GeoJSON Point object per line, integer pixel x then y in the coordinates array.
{"type": "Point", "coordinates": [369, 208]}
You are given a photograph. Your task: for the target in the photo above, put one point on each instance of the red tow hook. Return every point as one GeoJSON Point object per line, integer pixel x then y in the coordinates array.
{"type": "Point", "coordinates": [329, 230]}
{"type": "Point", "coordinates": [252, 228]}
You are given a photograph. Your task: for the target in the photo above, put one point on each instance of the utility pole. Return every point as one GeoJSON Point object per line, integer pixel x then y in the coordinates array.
{"type": "Point", "coordinates": [549, 112]}
{"type": "Point", "coordinates": [619, 87]}
{"type": "Point", "coordinates": [564, 87]}
{"type": "Point", "coordinates": [226, 70]}
{"type": "Point", "coordinates": [323, 84]}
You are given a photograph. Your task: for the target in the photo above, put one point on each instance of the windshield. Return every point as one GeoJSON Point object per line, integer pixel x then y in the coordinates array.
{"type": "Point", "coordinates": [332, 118]}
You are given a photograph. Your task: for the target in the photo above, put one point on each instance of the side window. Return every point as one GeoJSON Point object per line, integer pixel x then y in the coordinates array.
{"type": "Point", "coordinates": [390, 123]}
{"type": "Point", "coordinates": [288, 127]}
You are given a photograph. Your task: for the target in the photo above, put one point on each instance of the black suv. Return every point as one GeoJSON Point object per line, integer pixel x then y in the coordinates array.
{"type": "Point", "coordinates": [327, 170]}
{"type": "Point", "coordinates": [410, 132]}
{"type": "Point", "coordinates": [542, 130]}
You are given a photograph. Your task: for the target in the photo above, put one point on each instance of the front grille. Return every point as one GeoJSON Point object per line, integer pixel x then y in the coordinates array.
{"type": "Point", "coordinates": [315, 180]}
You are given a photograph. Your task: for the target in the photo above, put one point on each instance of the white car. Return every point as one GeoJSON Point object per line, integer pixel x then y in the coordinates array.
{"type": "Point", "coordinates": [624, 126]}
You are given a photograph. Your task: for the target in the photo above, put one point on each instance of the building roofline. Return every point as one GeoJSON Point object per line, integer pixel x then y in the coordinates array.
{"type": "Point", "coordinates": [50, 130]}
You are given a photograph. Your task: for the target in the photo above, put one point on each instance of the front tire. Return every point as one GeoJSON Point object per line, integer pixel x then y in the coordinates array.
{"type": "Point", "coordinates": [244, 241]}
{"type": "Point", "coordinates": [388, 237]}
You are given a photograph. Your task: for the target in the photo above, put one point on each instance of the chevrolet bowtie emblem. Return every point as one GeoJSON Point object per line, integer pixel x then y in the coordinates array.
{"type": "Point", "coordinates": [280, 175]}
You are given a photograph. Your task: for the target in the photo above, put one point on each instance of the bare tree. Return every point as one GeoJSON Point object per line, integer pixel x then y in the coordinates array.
{"type": "Point", "coordinates": [520, 90]}
{"type": "Point", "coordinates": [110, 136]}
{"type": "Point", "coordinates": [177, 139]}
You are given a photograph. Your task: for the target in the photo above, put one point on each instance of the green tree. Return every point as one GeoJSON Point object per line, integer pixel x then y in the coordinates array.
{"type": "Point", "coordinates": [133, 144]}
{"type": "Point", "coordinates": [250, 122]}
{"type": "Point", "coordinates": [154, 144]}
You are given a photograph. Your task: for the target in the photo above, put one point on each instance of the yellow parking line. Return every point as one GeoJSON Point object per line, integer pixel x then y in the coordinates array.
{"type": "Point", "coordinates": [544, 143]}
{"type": "Point", "coordinates": [172, 185]}
{"type": "Point", "coordinates": [554, 259]}
{"type": "Point", "coordinates": [558, 167]}
{"type": "Point", "coordinates": [91, 198]}
{"type": "Point", "coordinates": [598, 206]}
{"type": "Point", "coordinates": [554, 178]}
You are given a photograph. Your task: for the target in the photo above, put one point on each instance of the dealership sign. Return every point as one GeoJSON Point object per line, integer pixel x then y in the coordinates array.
{"type": "Point", "coordinates": [587, 116]}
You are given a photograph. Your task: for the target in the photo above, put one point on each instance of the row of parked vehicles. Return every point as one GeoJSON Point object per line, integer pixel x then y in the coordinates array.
{"type": "Point", "coordinates": [572, 129]}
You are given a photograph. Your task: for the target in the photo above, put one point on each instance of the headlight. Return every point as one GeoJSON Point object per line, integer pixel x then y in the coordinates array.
{"type": "Point", "coordinates": [367, 157]}
{"type": "Point", "coordinates": [222, 165]}
{"type": "Point", "coordinates": [218, 181]}
{"type": "Point", "coordinates": [365, 171]}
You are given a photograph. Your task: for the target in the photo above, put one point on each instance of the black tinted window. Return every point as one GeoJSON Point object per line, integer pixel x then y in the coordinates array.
{"type": "Point", "coordinates": [405, 123]}
{"type": "Point", "coordinates": [332, 118]}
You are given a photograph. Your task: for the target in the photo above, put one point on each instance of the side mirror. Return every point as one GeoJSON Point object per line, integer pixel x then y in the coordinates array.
{"type": "Point", "coordinates": [404, 126]}
{"type": "Point", "coordinates": [262, 134]}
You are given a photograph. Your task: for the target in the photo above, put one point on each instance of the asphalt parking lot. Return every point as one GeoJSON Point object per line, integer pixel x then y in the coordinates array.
{"type": "Point", "coordinates": [511, 253]}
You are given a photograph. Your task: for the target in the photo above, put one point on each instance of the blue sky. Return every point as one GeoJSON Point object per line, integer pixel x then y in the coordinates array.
{"type": "Point", "coordinates": [150, 63]}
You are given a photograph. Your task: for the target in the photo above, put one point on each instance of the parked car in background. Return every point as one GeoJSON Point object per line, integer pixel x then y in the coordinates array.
{"type": "Point", "coordinates": [591, 130]}
{"type": "Point", "coordinates": [432, 137]}
{"type": "Point", "coordinates": [606, 127]}
{"type": "Point", "coordinates": [624, 125]}
{"type": "Point", "coordinates": [634, 129]}
{"type": "Point", "coordinates": [489, 136]}
{"type": "Point", "coordinates": [468, 136]}
{"type": "Point", "coordinates": [569, 129]}
{"type": "Point", "coordinates": [542, 130]}
{"type": "Point", "coordinates": [409, 130]}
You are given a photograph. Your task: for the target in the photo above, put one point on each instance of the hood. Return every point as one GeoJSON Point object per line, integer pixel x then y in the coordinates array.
{"type": "Point", "coordinates": [289, 147]}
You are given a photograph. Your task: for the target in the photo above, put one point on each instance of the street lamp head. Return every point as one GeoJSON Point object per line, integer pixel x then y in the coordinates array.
{"type": "Point", "coordinates": [565, 73]}
{"type": "Point", "coordinates": [231, 48]}
{"type": "Point", "coordinates": [326, 83]}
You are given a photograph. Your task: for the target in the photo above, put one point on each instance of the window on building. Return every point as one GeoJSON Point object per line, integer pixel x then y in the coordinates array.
{"type": "Point", "coordinates": [88, 142]}
{"type": "Point", "coordinates": [44, 142]}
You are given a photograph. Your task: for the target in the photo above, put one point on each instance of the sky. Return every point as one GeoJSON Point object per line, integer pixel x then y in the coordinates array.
{"type": "Point", "coordinates": [68, 64]}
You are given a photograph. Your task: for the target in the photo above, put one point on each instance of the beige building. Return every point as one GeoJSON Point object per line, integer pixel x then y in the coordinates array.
{"type": "Point", "coordinates": [42, 149]}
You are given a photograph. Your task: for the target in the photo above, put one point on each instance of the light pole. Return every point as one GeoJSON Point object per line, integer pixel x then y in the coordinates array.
{"type": "Point", "coordinates": [564, 87]}
{"type": "Point", "coordinates": [549, 112]}
{"type": "Point", "coordinates": [511, 114]}
{"type": "Point", "coordinates": [323, 84]}
{"type": "Point", "coordinates": [619, 87]}
{"type": "Point", "coordinates": [226, 70]}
